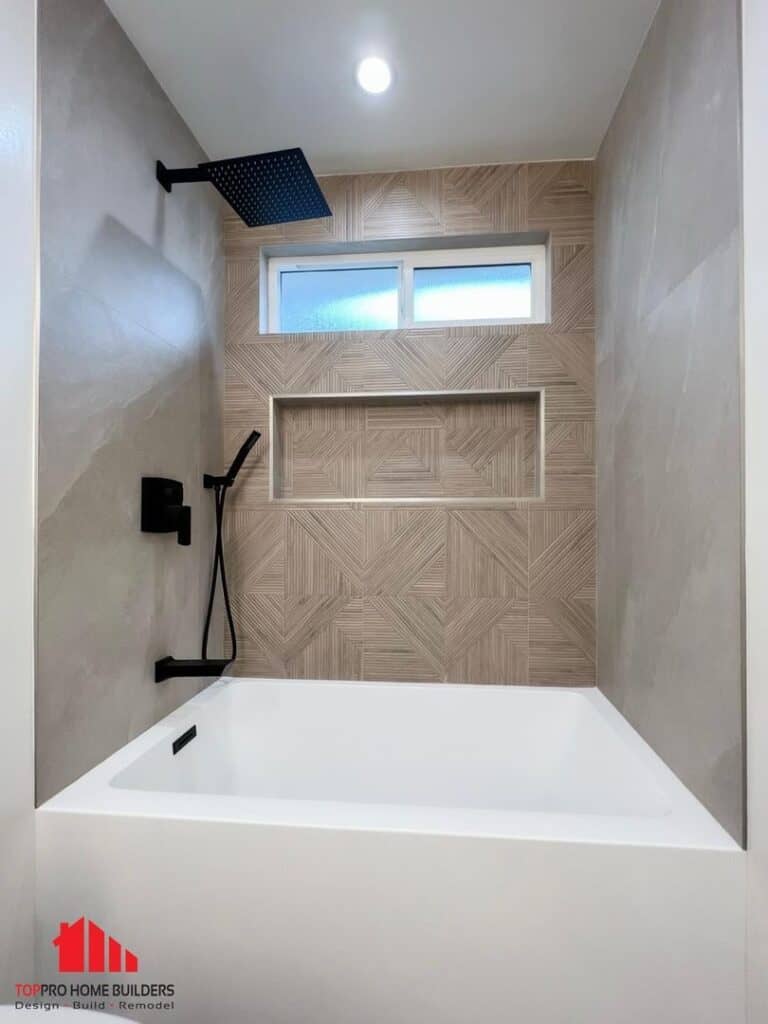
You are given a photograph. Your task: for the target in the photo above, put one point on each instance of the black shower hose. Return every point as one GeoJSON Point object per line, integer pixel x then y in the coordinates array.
{"type": "Point", "coordinates": [220, 494]}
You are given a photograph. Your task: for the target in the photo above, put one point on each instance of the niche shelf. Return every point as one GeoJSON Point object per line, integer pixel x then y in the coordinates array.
{"type": "Point", "coordinates": [480, 447]}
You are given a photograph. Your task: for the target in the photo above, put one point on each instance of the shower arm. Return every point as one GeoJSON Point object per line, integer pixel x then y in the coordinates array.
{"type": "Point", "coordinates": [168, 178]}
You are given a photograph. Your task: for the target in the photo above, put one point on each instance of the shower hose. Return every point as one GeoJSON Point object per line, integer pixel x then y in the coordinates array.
{"type": "Point", "coordinates": [219, 494]}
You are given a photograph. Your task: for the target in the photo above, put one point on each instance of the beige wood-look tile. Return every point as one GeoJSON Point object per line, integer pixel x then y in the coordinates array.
{"type": "Point", "coordinates": [254, 544]}
{"type": "Point", "coordinates": [324, 552]}
{"type": "Point", "coordinates": [487, 554]}
{"type": "Point", "coordinates": [562, 642]}
{"type": "Point", "coordinates": [487, 641]}
{"type": "Point", "coordinates": [405, 552]}
{"type": "Point", "coordinates": [403, 639]}
{"type": "Point", "coordinates": [324, 637]}
{"type": "Point", "coordinates": [410, 591]}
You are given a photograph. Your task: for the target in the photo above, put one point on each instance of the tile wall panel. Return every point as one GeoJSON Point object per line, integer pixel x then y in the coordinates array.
{"type": "Point", "coordinates": [450, 593]}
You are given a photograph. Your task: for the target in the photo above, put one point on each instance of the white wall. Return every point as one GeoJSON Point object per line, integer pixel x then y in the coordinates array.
{"type": "Point", "coordinates": [18, 298]}
{"type": "Point", "coordinates": [755, 156]}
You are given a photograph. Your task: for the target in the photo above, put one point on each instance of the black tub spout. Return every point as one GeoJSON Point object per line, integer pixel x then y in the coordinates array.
{"type": "Point", "coordinates": [172, 668]}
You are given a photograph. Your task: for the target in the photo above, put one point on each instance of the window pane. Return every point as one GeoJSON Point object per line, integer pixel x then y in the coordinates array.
{"type": "Point", "coordinates": [338, 300]}
{"type": "Point", "coordinates": [501, 292]}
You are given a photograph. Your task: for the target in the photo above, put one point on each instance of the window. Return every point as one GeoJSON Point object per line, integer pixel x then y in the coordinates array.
{"type": "Point", "coordinates": [384, 291]}
{"type": "Point", "coordinates": [338, 299]}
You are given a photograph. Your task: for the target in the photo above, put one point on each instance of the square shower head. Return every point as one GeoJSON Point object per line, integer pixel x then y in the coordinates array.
{"type": "Point", "coordinates": [269, 188]}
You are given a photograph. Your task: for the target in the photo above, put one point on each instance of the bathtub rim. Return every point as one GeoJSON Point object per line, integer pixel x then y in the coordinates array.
{"type": "Point", "coordinates": [688, 824]}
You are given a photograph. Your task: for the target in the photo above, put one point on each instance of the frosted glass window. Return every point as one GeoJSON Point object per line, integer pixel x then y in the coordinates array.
{"type": "Point", "coordinates": [500, 292]}
{"type": "Point", "coordinates": [345, 299]}
{"type": "Point", "coordinates": [390, 290]}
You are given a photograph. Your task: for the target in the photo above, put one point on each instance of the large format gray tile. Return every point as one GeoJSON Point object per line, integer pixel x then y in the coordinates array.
{"type": "Point", "coordinates": [130, 385]}
{"type": "Point", "coordinates": [669, 418]}
{"type": "Point", "coordinates": [678, 539]}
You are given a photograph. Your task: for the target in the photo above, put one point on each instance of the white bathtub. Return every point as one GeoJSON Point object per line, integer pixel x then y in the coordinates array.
{"type": "Point", "coordinates": [338, 852]}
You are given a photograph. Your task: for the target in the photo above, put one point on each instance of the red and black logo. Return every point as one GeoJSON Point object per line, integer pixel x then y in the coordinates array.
{"type": "Point", "coordinates": [105, 954]}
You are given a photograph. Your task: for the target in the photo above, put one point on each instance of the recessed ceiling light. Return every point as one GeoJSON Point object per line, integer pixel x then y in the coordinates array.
{"type": "Point", "coordinates": [374, 75]}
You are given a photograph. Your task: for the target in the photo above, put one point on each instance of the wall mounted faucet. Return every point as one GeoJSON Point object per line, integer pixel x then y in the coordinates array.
{"type": "Point", "coordinates": [163, 509]}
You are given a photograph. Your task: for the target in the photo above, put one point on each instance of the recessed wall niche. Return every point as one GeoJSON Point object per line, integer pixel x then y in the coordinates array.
{"type": "Point", "coordinates": [480, 447]}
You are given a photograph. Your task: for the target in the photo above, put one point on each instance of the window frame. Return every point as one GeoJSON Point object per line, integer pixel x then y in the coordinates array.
{"type": "Point", "coordinates": [406, 262]}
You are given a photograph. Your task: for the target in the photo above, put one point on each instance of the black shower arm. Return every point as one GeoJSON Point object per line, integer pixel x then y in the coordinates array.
{"type": "Point", "coordinates": [168, 178]}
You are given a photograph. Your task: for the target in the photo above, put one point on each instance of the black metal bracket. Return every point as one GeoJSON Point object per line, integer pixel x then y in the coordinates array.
{"type": "Point", "coordinates": [215, 481]}
{"type": "Point", "coordinates": [163, 509]}
{"type": "Point", "coordinates": [169, 178]}
{"type": "Point", "coordinates": [173, 668]}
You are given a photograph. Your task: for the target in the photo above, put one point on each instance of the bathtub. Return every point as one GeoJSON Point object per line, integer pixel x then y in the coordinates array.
{"type": "Point", "coordinates": [332, 852]}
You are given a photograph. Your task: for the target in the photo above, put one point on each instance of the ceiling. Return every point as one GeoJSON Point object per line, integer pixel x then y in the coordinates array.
{"type": "Point", "coordinates": [475, 81]}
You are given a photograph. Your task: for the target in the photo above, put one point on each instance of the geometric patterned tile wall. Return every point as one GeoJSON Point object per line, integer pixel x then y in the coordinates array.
{"type": "Point", "coordinates": [408, 592]}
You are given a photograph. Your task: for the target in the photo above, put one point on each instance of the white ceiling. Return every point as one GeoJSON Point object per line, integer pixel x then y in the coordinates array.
{"type": "Point", "coordinates": [475, 81]}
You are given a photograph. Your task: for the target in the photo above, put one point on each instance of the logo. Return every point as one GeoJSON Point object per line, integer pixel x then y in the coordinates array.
{"type": "Point", "coordinates": [104, 952]}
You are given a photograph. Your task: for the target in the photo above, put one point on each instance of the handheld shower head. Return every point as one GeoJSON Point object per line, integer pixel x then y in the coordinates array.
{"type": "Point", "coordinates": [237, 464]}
{"type": "Point", "coordinates": [242, 455]}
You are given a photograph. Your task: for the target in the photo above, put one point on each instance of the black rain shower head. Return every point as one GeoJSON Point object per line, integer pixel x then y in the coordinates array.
{"type": "Point", "coordinates": [268, 188]}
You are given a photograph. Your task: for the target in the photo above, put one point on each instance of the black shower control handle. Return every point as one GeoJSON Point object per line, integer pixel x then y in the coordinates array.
{"type": "Point", "coordinates": [163, 509]}
{"type": "Point", "coordinates": [185, 526]}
